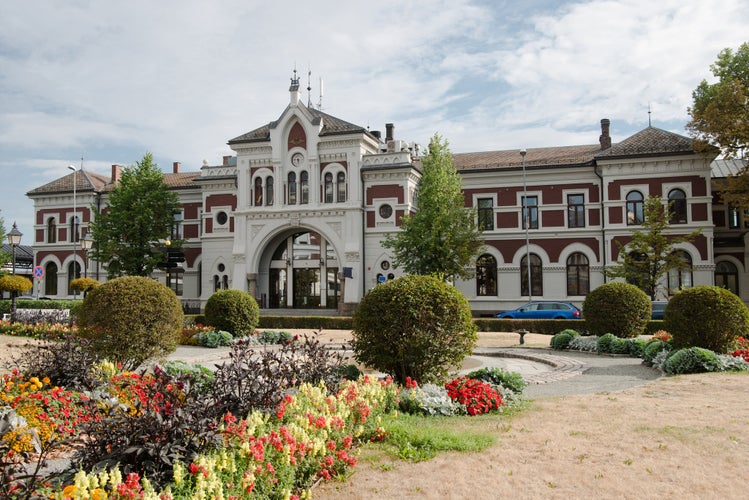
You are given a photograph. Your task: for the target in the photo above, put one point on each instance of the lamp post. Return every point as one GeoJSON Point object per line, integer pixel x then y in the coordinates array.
{"type": "Point", "coordinates": [526, 223]}
{"type": "Point", "coordinates": [74, 232]}
{"type": "Point", "coordinates": [14, 238]}
{"type": "Point", "coordinates": [86, 243]}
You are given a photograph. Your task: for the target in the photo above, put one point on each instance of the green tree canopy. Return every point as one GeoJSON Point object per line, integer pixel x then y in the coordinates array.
{"type": "Point", "coordinates": [720, 112]}
{"type": "Point", "coordinates": [140, 215]}
{"type": "Point", "coordinates": [720, 115]}
{"type": "Point", "coordinates": [442, 236]}
{"type": "Point", "coordinates": [650, 254]}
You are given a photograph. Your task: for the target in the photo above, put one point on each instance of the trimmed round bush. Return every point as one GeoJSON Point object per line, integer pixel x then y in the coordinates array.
{"type": "Point", "coordinates": [691, 360]}
{"type": "Point", "coordinates": [131, 319]}
{"type": "Point", "coordinates": [706, 316]}
{"type": "Point", "coordinates": [606, 343]}
{"type": "Point", "coordinates": [562, 339]}
{"type": "Point", "coordinates": [618, 308]}
{"type": "Point", "coordinates": [653, 348]}
{"type": "Point", "coordinates": [414, 326]}
{"type": "Point", "coordinates": [233, 311]}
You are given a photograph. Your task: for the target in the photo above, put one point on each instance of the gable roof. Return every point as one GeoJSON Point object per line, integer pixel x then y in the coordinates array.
{"type": "Point", "coordinates": [330, 126]}
{"type": "Point", "coordinates": [84, 181]}
{"type": "Point", "coordinates": [90, 181]}
{"type": "Point", "coordinates": [554, 156]}
{"type": "Point", "coordinates": [648, 142]}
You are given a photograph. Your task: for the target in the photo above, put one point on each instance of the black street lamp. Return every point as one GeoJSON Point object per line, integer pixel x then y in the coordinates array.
{"type": "Point", "coordinates": [86, 243]}
{"type": "Point", "coordinates": [14, 238]}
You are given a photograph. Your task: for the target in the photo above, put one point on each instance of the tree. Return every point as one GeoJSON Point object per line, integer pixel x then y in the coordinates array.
{"type": "Point", "coordinates": [442, 236]}
{"type": "Point", "coordinates": [4, 256]}
{"type": "Point", "coordinates": [140, 213]}
{"type": "Point", "coordinates": [720, 115]}
{"type": "Point", "coordinates": [650, 255]}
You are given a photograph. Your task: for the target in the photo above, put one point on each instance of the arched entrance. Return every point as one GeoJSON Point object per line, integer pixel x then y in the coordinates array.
{"type": "Point", "coordinates": [304, 273]}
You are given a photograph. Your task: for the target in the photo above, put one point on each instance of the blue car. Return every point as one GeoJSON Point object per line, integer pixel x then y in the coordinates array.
{"type": "Point", "coordinates": [543, 310]}
{"type": "Point", "coordinates": [658, 309]}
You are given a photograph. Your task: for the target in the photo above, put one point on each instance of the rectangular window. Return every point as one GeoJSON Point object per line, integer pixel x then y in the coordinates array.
{"type": "Point", "coordinates": [530, 216]}
{"type": "Point", "coordinates": [575, 210]}
{"type": "Point", "coordinates": [733, 218]}
{"type": "Point", "coordinates": [486, 214]}
{"type": "Point", "coordinates": [176, 233]}
{"type": "Point", "coordinates": [174, 281]}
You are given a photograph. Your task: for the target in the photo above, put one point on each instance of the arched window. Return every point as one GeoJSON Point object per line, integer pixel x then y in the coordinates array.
{"type": "Point", "coordinates": [258, 192]}
{"type": "Point", "coordinates": [304, 179]}
{"type": "Point", "coordinates": [537, 279]}
{"type": "Point", "coordinates": [50, 279]}
{"type": "Point", "coordinates": [328, 188]}
{"type": "Point", "coordinates": [216, 283]}
{"type": "Point", "coordinates": [269, 190]}
{"type": "Point", "coordinates": [341, 187]}
{"type": "Point", "coordinates": [727, 276]}
{"type": "Point", "coordinates": [74, 226]}
{"type": "Point", "coordinates": [677, 200]}
{"type": "Point", "coordinates": [486, 276]}
{"type": "Point", "coordinates": [51, 230]}
{"type": "Point", "coordinates": [635, 214]}
{"type": "Point", "coordinates": [680, 277]}
{"type": "Point", "coordinates": [74, 271]}
{"type": "Point", "coordinates": [292, 188]}
{"type": "Point", "coordinates": [578, 274]}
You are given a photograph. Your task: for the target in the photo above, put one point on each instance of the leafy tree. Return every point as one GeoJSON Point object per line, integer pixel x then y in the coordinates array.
{"type": "Point", "coordinates": [442, 236]}
{"type": "Point", "coordinates": [4, 256]}
{"type": "Point", "coordinates": [650, 255]}
{"type": "Point", "coordinates": [720, 115]}
{"type": "Point", "coordinates": [140, 213]}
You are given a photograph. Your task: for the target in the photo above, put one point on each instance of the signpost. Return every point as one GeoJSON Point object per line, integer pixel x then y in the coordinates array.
{"type": "Point", "coordinates": [38, 274]}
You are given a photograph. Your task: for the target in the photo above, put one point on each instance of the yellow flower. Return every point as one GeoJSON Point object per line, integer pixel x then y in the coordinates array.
{"type": "Point", "coordinates": [69, 491]}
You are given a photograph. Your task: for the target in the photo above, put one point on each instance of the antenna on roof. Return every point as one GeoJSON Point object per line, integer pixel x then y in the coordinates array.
{"type": "Point", "coordinates": [649, 124]}
{"type": "Point", "coordinates": [319, 102]}
{"type": "Point", "coordinates": [309, 88]}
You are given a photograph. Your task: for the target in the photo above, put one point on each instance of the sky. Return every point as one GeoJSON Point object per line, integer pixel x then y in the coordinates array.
{"type": "Point", "coordinates": [97, 82]}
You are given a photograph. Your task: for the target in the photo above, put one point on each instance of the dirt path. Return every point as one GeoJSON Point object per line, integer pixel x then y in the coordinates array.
{"type": "Point", "coordinates": [678, 437]}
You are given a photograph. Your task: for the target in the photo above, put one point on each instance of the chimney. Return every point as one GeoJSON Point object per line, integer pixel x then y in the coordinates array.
{"type": "Point", "coordinates": [389, 127]}
{"type": "Point", "coordinates": [116, 173]}
{"type": "Point", "coordinates": [175, 167]}
{"type": "Point", "coordinates": [377, 134]}
{"type": "Point", "coordinates": [605, 138]}
{"type": "Point", "coordinates": [226, 160]}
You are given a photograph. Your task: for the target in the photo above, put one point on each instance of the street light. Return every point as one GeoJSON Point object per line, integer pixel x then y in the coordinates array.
{"type": "Point", "coordinates": [86, 243]}
{"type": "Point", "coordinates": [526, 223]}
{"type": "Point", "coordinates": [74, 233]}
{"type": "Point", "coordinates": [14, 238]}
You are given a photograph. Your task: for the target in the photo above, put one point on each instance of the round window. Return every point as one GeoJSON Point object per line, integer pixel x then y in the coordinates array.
{"type": "Point", "coordinates": [386, 211]}
{"type": "Point", "coordinates": [221, 218]}
{"type": "Point", "coordinates": [221, 268]}
{"type": "Point", "coordinates": [385, 265]}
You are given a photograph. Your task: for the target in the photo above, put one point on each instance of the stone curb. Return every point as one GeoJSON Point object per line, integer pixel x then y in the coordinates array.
{"type": "Point", "coordinates": [563, 368]}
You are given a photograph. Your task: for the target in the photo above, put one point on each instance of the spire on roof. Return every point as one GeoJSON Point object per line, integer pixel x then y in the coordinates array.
{"type": "Point", "coordinates": [294, 82]}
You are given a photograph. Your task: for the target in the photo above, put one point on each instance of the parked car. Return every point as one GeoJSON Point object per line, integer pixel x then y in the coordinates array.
{"type": "Point", "coordinates": [658, 308]}
{"type": "Point", "coordinates": [543, 310]}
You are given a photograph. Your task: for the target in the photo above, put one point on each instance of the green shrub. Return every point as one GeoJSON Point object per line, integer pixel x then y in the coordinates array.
{"type": "Point", "coordinates": [618, 308]}
{"type": "Point", "coordinates": [691, 360]}
{"type": "Point", "coordinates": [200, 377]}
{"type": "Point", "coordinates": [562, 339]}
{"type": "Point", "coordinates": [653, 348]}
{"type": "Point", "coordinates": [213, 338]}
{"type": "Point", "coordinates": [131, 319]}
{"type": "Point", "coordinates": [495, 376]}
{"type": "Point", "coordinates": [414, 326]}
{"type": "Point", "coordinates": [606, 342]}
{"type": "Point", "coordinates": [706, 316]}
{"type": "Point", "coordinates": [234, 311]}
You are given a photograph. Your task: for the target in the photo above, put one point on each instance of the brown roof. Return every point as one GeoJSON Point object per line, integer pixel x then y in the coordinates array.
{"type": "Point", "coordinates": [84, 181]}
{"type": "Point", "coordinates": [651, 141]}
{"type": "Point", "coordinates": [331, 126]}
{"type": "Point", "coordinates": [555, 156]}
{"type": "Point", "coordinates": [89, 181]}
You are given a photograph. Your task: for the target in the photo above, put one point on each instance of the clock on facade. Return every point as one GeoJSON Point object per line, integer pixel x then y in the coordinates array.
{"type": "Point", "coordinates": [386, 211]}
{"type": "Point", "coordinates": [297, 159]}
